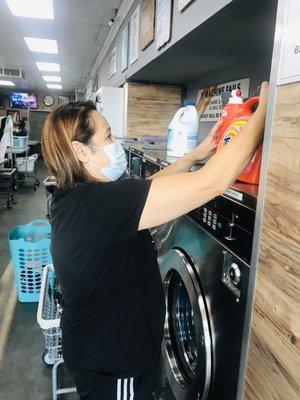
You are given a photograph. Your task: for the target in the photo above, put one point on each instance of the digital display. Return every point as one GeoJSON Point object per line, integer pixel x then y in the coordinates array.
{"type": "Point", "coordinates": [23, 100]}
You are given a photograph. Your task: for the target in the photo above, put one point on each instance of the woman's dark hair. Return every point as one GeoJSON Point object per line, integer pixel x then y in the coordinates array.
{"type": "Point", "coordinates": [68, 123]}
{"type": "Point", "coordinates": [22, 124]}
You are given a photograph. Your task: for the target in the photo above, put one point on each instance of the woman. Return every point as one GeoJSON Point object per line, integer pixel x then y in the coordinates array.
{"type": "Point", "coordinates": [112, 322]}
{"type": "Point", "coordinates": [22, 128]}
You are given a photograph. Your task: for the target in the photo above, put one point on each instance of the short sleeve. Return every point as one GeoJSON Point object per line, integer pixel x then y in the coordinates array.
{"type": "Point", "coordinates": [115, 208]}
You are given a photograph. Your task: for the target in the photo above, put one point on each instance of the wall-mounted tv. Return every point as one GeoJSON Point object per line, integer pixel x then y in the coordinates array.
{"type": "Point", "coordinates": [23, 100]}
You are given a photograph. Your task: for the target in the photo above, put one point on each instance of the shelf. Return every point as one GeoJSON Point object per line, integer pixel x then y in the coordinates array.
{"type": "Point", "coordinates": [241, 32]}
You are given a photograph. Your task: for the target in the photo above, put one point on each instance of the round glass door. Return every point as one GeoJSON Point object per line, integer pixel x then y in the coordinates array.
{"type": "Point", "coordinates": [187, 339]}
{"type": "Point", "coordinates": [182, 325]}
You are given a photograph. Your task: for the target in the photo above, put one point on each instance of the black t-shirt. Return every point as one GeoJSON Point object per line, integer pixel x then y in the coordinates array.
{"type": "Point", "coordinates": [114, 310]}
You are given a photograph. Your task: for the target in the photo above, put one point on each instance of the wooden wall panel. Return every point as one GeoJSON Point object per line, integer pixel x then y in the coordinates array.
{"type": "Point", "coordinates": [150, 108]}
{"type": "Point", "coordinates": [287, 122]}
{"type": "Point", "coordinates": [273, 370]}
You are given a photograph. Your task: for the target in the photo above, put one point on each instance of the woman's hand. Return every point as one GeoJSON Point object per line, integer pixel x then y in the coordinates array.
{"type": "Point", "coordinates": [205, 148]}
{"type": "Point", "coordinates": [263, 98]}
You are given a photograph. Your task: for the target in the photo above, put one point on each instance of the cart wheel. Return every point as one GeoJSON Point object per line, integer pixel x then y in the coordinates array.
{"type": "Point", "coordinates": [14, 199]}
{"type": "Point", "coordinates": [35, 186]}
{"type": "Point", "coordinates": [47, 359]}
{"type": "Point", "coordinates": [8, 205]}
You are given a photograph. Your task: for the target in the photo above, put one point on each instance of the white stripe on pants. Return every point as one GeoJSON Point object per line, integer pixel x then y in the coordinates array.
{"type": "Point", "coordinates": [123, 383]}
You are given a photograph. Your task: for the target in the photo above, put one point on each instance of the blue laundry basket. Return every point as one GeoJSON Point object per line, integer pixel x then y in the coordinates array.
{"type": "Point", "coordinates": [20, 143]}
{"type": "Point", "coordinates": [30, 250]}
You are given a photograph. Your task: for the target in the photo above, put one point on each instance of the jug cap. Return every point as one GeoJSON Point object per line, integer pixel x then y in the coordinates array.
{"type": "Point", "coordinates": [236, 97]}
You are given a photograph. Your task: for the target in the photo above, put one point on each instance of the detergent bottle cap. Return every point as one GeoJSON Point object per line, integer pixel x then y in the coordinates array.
{"type": "Point", "coordinates": [190, 103]}
{"type": "Point", "coordinates": [236, 97]}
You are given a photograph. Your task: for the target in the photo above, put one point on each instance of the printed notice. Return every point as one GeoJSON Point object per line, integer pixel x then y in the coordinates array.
{"type": "Point", "coordinates": [112, 69]}
{"type": "Point", "coordinates": [124, 52]}
{"type": "Point", "coordinates": [134, 36]}
{"type": "Point", "coordinates": [209, 100]}
{"type": "Point", "coordinates": [163, 22]}
{"type": "Point", "coordinates": [289, 66]}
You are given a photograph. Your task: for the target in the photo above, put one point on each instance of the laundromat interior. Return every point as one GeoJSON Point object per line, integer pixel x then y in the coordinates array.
{"type": "Point", "coordinates": [162, 73]}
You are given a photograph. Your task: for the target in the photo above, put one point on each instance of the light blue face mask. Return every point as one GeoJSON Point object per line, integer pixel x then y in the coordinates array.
{"type": "Point", "coordinates": [117, 160]}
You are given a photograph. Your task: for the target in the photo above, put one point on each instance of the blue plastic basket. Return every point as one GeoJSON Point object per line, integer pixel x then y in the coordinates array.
{"type": "Point", "coordinates": [30, 250]}
{"type": "Point", "coordinates": [20, 142]}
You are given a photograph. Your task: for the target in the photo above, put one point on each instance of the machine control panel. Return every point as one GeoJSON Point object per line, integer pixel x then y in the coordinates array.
{"type": "Point", "coordinates": [231, 223]}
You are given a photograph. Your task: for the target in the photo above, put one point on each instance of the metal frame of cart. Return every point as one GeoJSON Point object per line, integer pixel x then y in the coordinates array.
{"type": "Point", "coordinates": [48, 318]}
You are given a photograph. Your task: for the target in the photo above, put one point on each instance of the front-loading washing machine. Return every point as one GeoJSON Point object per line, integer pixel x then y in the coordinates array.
{"type": "Point", "coordinates": [204, 261]}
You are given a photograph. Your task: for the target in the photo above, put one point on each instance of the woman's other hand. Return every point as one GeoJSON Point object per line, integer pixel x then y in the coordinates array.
{"type": "Point", "coordinates": [206, 147]}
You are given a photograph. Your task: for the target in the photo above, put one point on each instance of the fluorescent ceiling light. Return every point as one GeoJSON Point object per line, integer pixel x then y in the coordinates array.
{"type": "Point", "coordinates": [7, 83]}
{"type": "Point", "coordinates": [49, 78]}
{"type": "Point", "coordinates": [53, 86]}
{"type": "Point", "coordinates": [32, 8]}
{"type": "Point", "coordinates": [45, 66]}
{"type": "Point", "coordinates": [42, 45]}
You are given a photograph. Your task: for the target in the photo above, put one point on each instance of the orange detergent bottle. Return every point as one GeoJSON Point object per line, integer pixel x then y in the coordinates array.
{"type": "Point", "coordinates": [235, 116]}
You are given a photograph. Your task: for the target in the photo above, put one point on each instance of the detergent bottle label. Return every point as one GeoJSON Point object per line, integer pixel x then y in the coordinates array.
{"type": "Point", "coordinates": [191, 142]}
{"type": "Point", "coordinates": [233, 131]}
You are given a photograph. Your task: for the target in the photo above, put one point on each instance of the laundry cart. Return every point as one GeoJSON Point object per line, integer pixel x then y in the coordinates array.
{"type": "Point", "coordinates": [48, 318]}
{"type": "Point", "coordinates": [50, 185]}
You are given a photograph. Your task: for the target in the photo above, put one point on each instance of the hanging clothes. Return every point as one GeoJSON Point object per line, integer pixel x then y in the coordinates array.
{"type": "Point", "coordinates": [6, 134]}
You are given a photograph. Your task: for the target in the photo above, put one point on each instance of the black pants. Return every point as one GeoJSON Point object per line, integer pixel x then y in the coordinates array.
{"type": "Point", "coordinates": [91, 386]}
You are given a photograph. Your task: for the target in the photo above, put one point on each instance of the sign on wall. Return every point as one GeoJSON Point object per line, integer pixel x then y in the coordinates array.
{"type": "Point", "coordinates": [112, 68]}
{"type": "Point", "coordinates": [289, 65]}
{"type": "Point", "coordinates": [89, 90]}
{"type": "Point", "coordinates": [95, 84]}
{"type": "Point", "coordinates": [124, 52]}
{"type": "Point", "coordinates": [183, 3]}
{"type": "Point", "coordinates": [147, 23]}
{"type": "Point", "coordinates": [209, 100]}
{"type": "Point", "coordinates": [163, 22]}
{"type": "Point", "coordinates": [134, 36]}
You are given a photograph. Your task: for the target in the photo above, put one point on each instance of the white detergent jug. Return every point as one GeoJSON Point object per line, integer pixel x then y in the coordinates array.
{"type": "Point", "coordinates": [183, 131]}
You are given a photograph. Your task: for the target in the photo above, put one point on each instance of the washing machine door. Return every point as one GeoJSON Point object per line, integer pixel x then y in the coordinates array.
{"type": "Point", "coordinates": [187, 347]}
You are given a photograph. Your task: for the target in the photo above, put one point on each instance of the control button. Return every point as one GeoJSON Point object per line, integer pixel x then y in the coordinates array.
{"type": "Point", "coordinates": [231, 225]}
{"type": "Point", "coordinates": [208, 223]}
{"type": "Point", "coordinates": [214, 227]}
{"type": "Point", "coordinates": [235, 273]}
{"type": "Point", "coordinates": [204, 220]}
{"type": "Point", "coordinates": [215, 216]}
{"type": "Point", "coordinates": [210, 212]}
